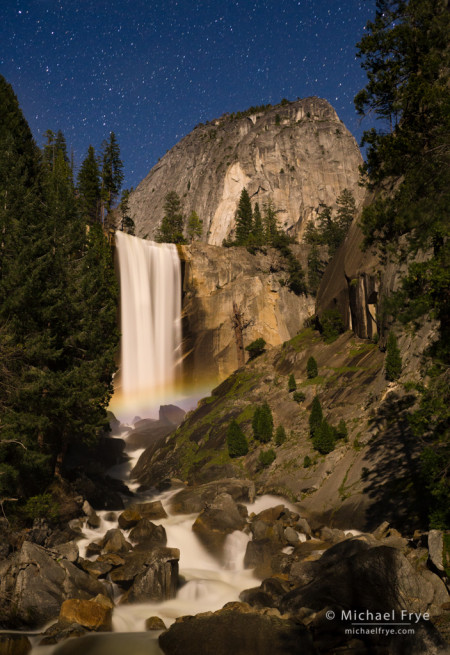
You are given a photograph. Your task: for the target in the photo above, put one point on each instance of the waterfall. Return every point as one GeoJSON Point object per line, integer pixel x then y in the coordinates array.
{"type": "Point", "coordinates": [150, 291]}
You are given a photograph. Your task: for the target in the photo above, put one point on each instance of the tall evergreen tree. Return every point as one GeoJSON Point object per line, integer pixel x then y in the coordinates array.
{"type": "Point", "coordinates": [346, 212]}
{"type": "Point", "coordinates": [271, 229]}
{"type": "Point", "coordinates": [171, 228]}
{"type": "Point", "coordinates": [126, 222]}
{"type": "Point", "coordinates": [48, 311]}
{"type": "Point", "coordinates": [111, 173]}
{"type": "Point", "coordinates": [244, 219]}
{"type": "Point", "coordinates": [194, 227]}
{"type": "Point", "coordinates": [89, 188]}
{"type": "Point", "coordinates": [257, 235]}
{"type": "Point", "coordinates": [316, 416]}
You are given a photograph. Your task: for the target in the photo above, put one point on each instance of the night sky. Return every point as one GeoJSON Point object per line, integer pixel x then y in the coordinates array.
{"type": "Point", "coordinates": [150, 70]}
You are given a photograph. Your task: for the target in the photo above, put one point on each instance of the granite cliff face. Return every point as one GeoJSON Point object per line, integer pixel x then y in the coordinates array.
{"type": "Point", "coordinates": [214, 280]}
{"type": "Point", "coordinates": [299, 154]}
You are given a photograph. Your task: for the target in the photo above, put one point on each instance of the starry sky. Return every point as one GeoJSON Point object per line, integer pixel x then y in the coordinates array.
{"type": "Point", "coordinates": [150, 70]}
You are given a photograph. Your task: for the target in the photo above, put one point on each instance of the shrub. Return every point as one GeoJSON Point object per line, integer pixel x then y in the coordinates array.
{"type": "Point", "coordinates": [42, 506]}
{"type": "Point", "coordinates": [292, 384]}
{"type": "Point", "coordinates": [307, 462]}
{"type": "Point", "coordinates": [316, 416]}
{"type": "Point", "coordinates": [280, 435]}
{"type": "Point", "coordinates": [341, 430]}
{"type": "Point", "coordinates": [263, 423]}
{"type": "Point", "coordinates": [298, 396]}
{"type": "Point", "coordinates": [324, 438]}
{"type": "Point", "coordinates": [311, 368]}
{"type": "Point", "coordinates": [256, 348]}
{"type": "Point", "coordinates": [332, 325]}
{"type": "Point", "coordinates": [267, 457]}
{"type": "Point", "coordinates": [393, 363]}
{"type": "Point", "coordinates": [236, 440]}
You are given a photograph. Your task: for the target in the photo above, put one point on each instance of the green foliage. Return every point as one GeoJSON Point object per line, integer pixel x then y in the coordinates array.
{"type": "Point", "coordinates": [324, 439]}
{"type": "Point", "coordinates": [341, 430]}
{"type": "Point", "coordinates": [280, 435]}
{"type": "Point", "coordinates": [270, 222]}
{"type": "Point", "coordinates": [331, 324]}
{"type": "Point", "coordinates": [244, 219]}
{"type": "Point", "coordinates": [257, 234]}
{"type": "Point", "coordinates": [267, 457]}
{"type": "Point", "coordinates": [405, 53]}
{"type": "Point", "coordinates": [194, 227]}
{"type": "Point", "coordinates": [262, 423]}
{"type": "Point", "coordinates": [126, 222]}
{"type": "Point", "coordinates": [256, 348]}
{"type": "Point", "coordinates": [292, 384]}
{"type": "Point", "coordinates": [236, 441]}
{"type": "Point", "coordinates": [111, 173]}
{"type": "Point", "coordinates": [307, 462]}
{"type": "Point", "coordinates": [88, 186]}
{"type": "Point", "coordinates": [316, 416]}
{"type": "Point", "coordinates": [298, 396]}
{"type": "Point", "coordinates": [316, 269]}
{"type": "Point", "coordinates": [41, 506]}
{"type": "Point", "coordinates": [58, 304]}
{"type": "Point", "coordinates": [311, 368]}
{"type": "Point", "coordinates": [393, 363]}
{"type": "Point", "coordinates": [171, 228]}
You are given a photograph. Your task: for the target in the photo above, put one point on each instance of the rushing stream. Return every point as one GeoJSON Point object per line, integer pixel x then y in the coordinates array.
{"type": "Point", "coordinates": [207, 584]}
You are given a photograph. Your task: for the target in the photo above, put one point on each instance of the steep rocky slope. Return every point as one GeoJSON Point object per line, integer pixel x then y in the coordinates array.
{"type": "Point", "coordinates": [299, 154]}
{"type": "Point", "coordinates": [365, 480]}
{"type": "Point", "coordinates": [214, 280]}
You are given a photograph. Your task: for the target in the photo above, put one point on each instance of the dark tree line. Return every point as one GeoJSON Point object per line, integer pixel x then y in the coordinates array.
{"type": "Point", "coordinates": [406, 55]}
{"type": "Point", "coordinates": [58, 299]}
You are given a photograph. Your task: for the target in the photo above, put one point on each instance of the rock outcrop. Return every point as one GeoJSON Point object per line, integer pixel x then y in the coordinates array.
{"type": "Point", "coordinates": [214, 280]}
{"type": "Point", "coordinates": [299, 154]}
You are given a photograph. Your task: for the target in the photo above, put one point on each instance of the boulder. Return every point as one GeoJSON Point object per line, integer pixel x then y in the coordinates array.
{"type": "Point", "coordinates": [96, 569]}
{"type": "Point", "coordinates": [171, 414]}
{"type": "Point", "coordinates": [36, 582]}
{"type": "Point", "coordinates": [195, 499]}
{"type": "Point", "coordinates": [153, 510]}
{"type": "Point", "coordinates": [114, 542]}
{"type": "Point", "coordinates": [302, 525]}
{"type": "Point", "coordinates": [155, 623]}
{"type": "Point", "coordinates": [268, 594]}
{"type": "Point", "coordinates": [353, 575]}
{"type": "Point", "coordinates": [91, 614]}
{"type": "Point", "coordinates": [218, 520]}
{"type": "Point", "coordinates": [154, 575]}
{"type": "Point", "coordinates": [68, 550]}
{"type": "Point", "coordinates": [436, 548]}
{"type": "Point", "coordinates": [258, 556]}
{"type": "Point", "coordinates": [148, 535]}
{"type": "Point", "coordinates": [291, 536]}
{"type": "Point", "coordinates": [236, 630]}
{"type": "Point", "coordinates": [129, 518]}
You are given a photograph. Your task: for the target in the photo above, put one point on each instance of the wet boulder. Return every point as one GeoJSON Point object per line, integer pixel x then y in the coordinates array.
{"type": "Point", "coordinates": [236, 629]}
{"type": "Point", "coordinates": [146, 534]}
{"type": "Point", "coordinates": [114, 542]}
{"type": "Point", "coordinates": [129, 518]}
{"type": "Point", "coordinates": [152, 510]}
{"type": "Point", "coordinates": [36, 582]}
{"type": "Point", "coordinates": [151, 576]}
{"type": "Point", "coordinates": [195, 499]}
{"type": "Point", "coordinates": [215, 522]}
{"type": "Point", "coordinates": [93, 614]}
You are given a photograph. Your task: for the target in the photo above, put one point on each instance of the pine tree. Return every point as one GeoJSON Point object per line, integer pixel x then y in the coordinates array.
{"type": "Point", "coordinates": [316, 416]}
{"type": "Point", "coordinates": [346, 212]}
{"type": "Point", "coordinates": [61, 145]}
{"type": "Point", "coordinates": [171, 228]}
{"type": "Point", "coordinates": [393, 363]}
{"type": "Point", "coordinates": [292, 385]}
{"type": "Point", "coordinates": [280, 435]}
{"type": "Point", "coordinates": [244, 219]}
{"type": "Point", "coordinates": [257, 235]}
{"type": "Point", "coordinates": [271, 229]}
{"type": "Point", "coordinates": [263, 423]}
{"type": "Point", "coordinates": [126, 222]}
{"type": "Point", "coordinates": [88, 185]}
{"type": "Point", "coordinates": [324, 438]}
{"type": "Point", "coordinates": [111, 173]}
{"type": "Point", "coordinates": [48, 153]}
{"type": "Point", "coordinates": [194, 227]}
{"type": "Point", "coordinates": [315, 269]}
{"type": "Point", "coordinates": [236, 440]}
{"type": "Point", "coordinates": [311, 368]}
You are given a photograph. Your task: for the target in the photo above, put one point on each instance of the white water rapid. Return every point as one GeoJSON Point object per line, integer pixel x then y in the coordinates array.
{"type": "Point", "coordinates": [150, 292]}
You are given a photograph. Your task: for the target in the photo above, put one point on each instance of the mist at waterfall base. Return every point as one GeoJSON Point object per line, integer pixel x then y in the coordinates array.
{"type": "Point", "coordinates": [150, 372]}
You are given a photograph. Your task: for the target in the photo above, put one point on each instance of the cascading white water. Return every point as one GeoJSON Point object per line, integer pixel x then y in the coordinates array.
{"type": "Point", "coordinates": [150, 291]}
